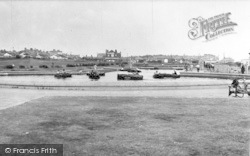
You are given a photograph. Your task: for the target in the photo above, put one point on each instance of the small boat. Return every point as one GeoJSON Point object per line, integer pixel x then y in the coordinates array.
{"type": "Point", "coordinates": [129, 77]}
{"type": "Point", "coordinates": [63, 75]}
{"type": "Point", "coordinates": [93, 75]}
{"type": "Point", "coordinates": [164, 75]}
{"type": "Point", "coordinates": [99, 73]}
{"type": "Point", "coordinates": [132, 70]}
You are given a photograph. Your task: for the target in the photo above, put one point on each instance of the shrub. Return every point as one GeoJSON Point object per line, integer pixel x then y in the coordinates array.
{"type": "Point", "coordinates": [102, 64]}
{"type": "Point", "coordinates": [70, 65]}
{"type": "Point", "coordinates": [88, 64]}
{"type": "Point", "coordinates": [58, 66]}
{"type": "Point", "coordinates": [43, 66]}
{"type": "Point", "coordinates": [18, 56]}
{"type": "Point", "coordinates": [9, 66]}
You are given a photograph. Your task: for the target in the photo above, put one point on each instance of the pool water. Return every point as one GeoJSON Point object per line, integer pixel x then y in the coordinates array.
{"type": "Point", "coordinates": [109, 79]}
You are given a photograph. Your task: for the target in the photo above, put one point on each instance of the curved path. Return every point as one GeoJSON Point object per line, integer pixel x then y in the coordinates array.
{"type": "Point", "coordinates": [11, 97]}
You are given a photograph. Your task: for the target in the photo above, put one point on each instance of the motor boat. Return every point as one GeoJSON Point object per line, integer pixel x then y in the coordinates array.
{"type": "Point", "coordinates": [165, 75]}
{"type": "Point", "coordinates": [63, 75]}
{"type": "Point", "coordinates": [129, 77]}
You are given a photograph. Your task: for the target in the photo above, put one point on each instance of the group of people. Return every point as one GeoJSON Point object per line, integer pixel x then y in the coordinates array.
{"type": "Point", "coordinates": [190, 67]}
{"type": "Point", "coordinates": [209, 66]}
{"type": "Point", "coordinates": [175, 72]}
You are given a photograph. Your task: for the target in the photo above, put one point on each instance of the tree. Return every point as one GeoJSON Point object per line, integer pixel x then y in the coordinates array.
{"type": "Point", "coordinates": [18, 56]}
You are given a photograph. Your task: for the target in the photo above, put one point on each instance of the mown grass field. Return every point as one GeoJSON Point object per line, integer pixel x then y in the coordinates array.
{"type": "Point", "coordinates": [132, 126]}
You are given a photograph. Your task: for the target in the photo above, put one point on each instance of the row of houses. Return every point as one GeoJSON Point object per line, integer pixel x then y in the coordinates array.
{"type": "Point", "coordinates": [113, 56]}
{"type": "Point", "coordinates": [37, 54]}
{"type": "Point", "coordinates": [174, 58]}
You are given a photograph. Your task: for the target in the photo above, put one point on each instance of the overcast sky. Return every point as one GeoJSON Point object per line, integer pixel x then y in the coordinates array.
{"type": "Point", "coordinates": [132, 27]}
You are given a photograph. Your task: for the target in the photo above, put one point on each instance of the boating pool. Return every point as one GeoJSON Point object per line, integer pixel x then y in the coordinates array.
{"type": "Point", "coordinates": [109, 79]}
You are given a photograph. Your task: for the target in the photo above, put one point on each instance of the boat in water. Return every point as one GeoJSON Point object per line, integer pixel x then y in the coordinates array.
{"type": "Point", "coordinates": [63, 75]}
{"type": "Point", "coordinates": [131, 70]}
{"type": "Point", "coordinates": [101, 73]}
{"type": "Point", "coordinates": [98, 73]}
{"type": "Point", "coordinates": [165, 75]}
{"type": "Point", "coordinates": [133, 73]}
{"type": "Point", "coordinates": [129, 77]}
{"type": "Point", "coordinates": [93, 75]}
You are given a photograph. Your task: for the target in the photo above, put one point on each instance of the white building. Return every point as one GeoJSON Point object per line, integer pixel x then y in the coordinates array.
{"type": "Point", "coordinates": [38, 56]}
{"type": "Point", "coordinates": [165, 60]}
{"type": "Point", "coordinates": [7, 55]}
{"type": "Point", "coordinates": [57, 57]}
{"type": "Point", "coordinates": [24, 55]}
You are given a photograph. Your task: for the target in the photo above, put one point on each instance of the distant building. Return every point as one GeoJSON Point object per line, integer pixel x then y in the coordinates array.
{"type": "Point", "coordinates": [226, 60]}
{"type": "Point", "coordinates": [157, 59]}
{"type": "Point", "coordinates": [113, 54]}
{"type": "Point", "coordinates": [24, 55]}
{"type": "Point", "coordinates": [31, 53]}
{"type": "Point", "coordinates": [169, 60]}
{"type": "Point", "coordinates": [138, 59]}
{"type": "Point", "coordinates": [7, 55]}
{"type": "Point", "coordinates": [55, 52]}
{"type": "Point", "coordinates": [101, 55]}
{"type": "Point", "coordinates": [38, 56]}
{"type": "Point", "coordinates": [57, 57]}
{"type": "Point", "coordinates": [73, 57]}
{"type": "Point", "coordinates": [209, 57]}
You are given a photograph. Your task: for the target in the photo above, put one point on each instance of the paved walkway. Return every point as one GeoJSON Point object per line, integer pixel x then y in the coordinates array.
{"type": "Point", "coordinates": [12, 97]}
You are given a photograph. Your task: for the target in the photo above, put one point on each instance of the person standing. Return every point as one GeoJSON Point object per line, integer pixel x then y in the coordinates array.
{"type": "Point", "coordinates": [198, 67]}
{"type": "Point", "coordinates": [212, 67]}
{"type": "Point", "coordinates": [191, 67]}
{"type": "Point", "coordinates": [242, 69]}
{"type": "Point", "coordinates": [186, 67]}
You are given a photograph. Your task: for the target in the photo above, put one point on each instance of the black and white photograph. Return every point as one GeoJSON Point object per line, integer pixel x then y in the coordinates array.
{"type": "Point", "coordinates": [124, 78]}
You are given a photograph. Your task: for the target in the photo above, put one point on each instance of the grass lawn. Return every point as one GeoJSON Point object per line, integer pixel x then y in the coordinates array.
{"type": "Point", "coordinates": [132, 126]}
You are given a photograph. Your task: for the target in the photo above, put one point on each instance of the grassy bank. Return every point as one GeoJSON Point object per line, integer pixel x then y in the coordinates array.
{"type": "Point", "coordinates": [131, 126]}
{"type": "Point", "coordinates": [30, 64]}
